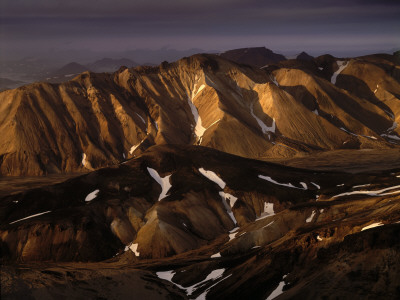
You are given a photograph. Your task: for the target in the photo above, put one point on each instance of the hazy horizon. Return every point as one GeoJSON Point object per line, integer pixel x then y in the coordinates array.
{"type": "Point", "coordinates": [81, 30]}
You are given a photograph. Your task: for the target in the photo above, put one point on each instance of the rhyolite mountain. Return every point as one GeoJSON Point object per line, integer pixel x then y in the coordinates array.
{"type": "Point", "coordinates": [287, 109]}
{"type": "Point", "coordinates": [190, 222]}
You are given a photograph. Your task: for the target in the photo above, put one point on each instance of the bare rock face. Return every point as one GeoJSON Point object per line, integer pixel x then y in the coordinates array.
{"type": "Point", "coordinates": [284, 110]}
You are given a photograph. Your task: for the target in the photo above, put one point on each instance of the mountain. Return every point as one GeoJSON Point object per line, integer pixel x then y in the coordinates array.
{"type": "Point", "coordinates": [66, 72]}
{"type": "Point", "coordinates": [288, 109]}
{"type": "Point", "coordinates": [111, 65]}
{"type": "Point", "coordinates": [257, 56]}
{"type": "Point", "coordinates": [6, 83]}
{"type": "Point", "coordinates": [304, 56]}
{"type": "Point", "coordinates": [190, 222]}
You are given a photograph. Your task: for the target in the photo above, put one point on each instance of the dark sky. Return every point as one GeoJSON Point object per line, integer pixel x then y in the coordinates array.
{"type": "Point", "coordinates": [317, 26]}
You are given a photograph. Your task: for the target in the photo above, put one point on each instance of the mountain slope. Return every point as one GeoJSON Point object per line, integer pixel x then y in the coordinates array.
{"type": "Point", "coordinates": [224, 226]}
{"type": "Point", "coordinates": [96, 120]}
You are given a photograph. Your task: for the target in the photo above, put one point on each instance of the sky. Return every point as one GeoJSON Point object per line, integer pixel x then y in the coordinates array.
{"type": "Point", "coordinates": [39, 27]}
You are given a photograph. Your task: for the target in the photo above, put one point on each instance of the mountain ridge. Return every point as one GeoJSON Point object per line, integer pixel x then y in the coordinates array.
{"type": "Point", "coordinates": [96, 120]}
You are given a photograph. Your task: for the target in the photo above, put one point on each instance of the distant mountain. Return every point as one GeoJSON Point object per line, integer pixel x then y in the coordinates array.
{"type": "Point", "coordinates": [66, 72]}
{"type": "Point", "coordinates": [258, 56]}
{"type": "Point", "coordinates": [6, 83]}
{"type": "Point", "coordinates": [304, 56]}
{"type": "Point", "coordinates": [111, 65]}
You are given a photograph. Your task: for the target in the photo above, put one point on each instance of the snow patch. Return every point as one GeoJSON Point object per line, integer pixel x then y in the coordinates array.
{"type": "Point", "coordinates": [133, 248]}
{"type": "Point", "coordinates": [273, 79]}
{"type": "Point", "coordinates": [263, 126]}
{"type": "Point", "coordinates": [278, 183]}
{"type": "Point", "coordinates": [92, 195]}
{"type": "Point", "coordinates": [341, 64]}
{"type": "Point", "coordinates": [309, 219]}
{"type": "Point", "coordinates": [341, 128]}
{"type": "Point", "coordinates": [316, 112]}
{"type": "Point", "coordinates": [141, 118]}
{"type": "Point", "coordinates": [133, 148]}
{"type": "Point", "coordinates": [162, 181]}
{"type": "Point", "coordinates": [213, 177]}
{"type": "Point", "coordinates": [84, 159]}
{"type": "Point", "coordinates": [214, 275]}
{"type": "Point", "coordinates": [316, 185]}
{"type": "Point", "coordinates": [372, 226]}
{"type": "Point", "coordinates": [228, 209]}
{"type": "Point", "coordinates": [199, 129]}
{"type": "Point", "coordinates": [372, 193]}
{"type": "Point", "coordinates": [216, 255]}
{"type": "Point", "coordinates": [279, 290]}
{"type": "Point", "coordinates": [32, 216]}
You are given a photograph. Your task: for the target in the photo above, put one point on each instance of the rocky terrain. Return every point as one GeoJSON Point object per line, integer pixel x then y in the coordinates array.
{"type": "Point", "coordinates": [291, 108]}
{"type": "Point", "coordinates": [189, 222]}
{"type": "Point", "coordinates": [204, 179]}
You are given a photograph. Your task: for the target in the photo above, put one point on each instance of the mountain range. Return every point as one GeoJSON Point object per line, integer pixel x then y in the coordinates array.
{"type": "Point", "coordinates": [288, 109]}
{"type": "Point", "coordinates": [239, 175]}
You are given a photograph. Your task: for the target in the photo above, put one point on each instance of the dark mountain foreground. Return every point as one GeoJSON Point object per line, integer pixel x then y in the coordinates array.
{"type": "Point", "coordinates": [190, 222]}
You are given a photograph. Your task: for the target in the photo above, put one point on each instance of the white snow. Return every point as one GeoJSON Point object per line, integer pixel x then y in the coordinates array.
{"type": "Point", "coordinates": [269, 208]}
{"type": "Point", "coordinates": [391, 136]}
{"type": "Point", "coordinates": [213, 177]}
{"type": "Point", "coordinates": [233, 233]}
{"type": "Point", "coordinates": [279, 290]}
{"type": "Point", "coordinates": [394, 126]}
{"type": "Point", "coordinates": [263, 126]}
{"type": "Point", "coordinates": [316, 185]}
{"type": "Point", "coordinates": [216, 255]}
{"type": "Point", "coordinates": [83, 159]}
{"type": "Point", "coordinates": [342, 184]}
{"type": "Point", "coordinates": [315, 112]}
{"type": "Point", "coordinates": [371, 193]}
{"type": "Point", "coordinates": [304, 185]}
{"type": "Point", "coordinates": [348, 131]}
{"type": "Point", "coordinates": [92, 195]}
{"type": "Point", "coordinates": [274, 80]}
{"type": "Point", "coordinates": [278, 183]}
{"type": "Point", "coordinates": [319, 238]}
{"type": "Point", "coordinates": [133, 148]}
{"type": "Point", "coordinates": [214, 275]}
{"type": "Point", "coordinates": [162, 181]}
{"type": "Point", "coordinates": [309, 219]}
{"type": "Point", "coordinates": [141, 118]}
{"type": "Point", "coordinates": [228, 209]}
{"type": "Point", "coordinates": [42, 213]}
{"type": "Point", "coordinates": [232, 199]}
{"type": "Point", "coordinates": [341, 64]}
{"type": "Point", "coordinates": [372, 226]}
{"type": "Point", "coordinates": [269, 224]}
{"type": "Point", "coordinates": [133, 248]}
{"type": "Point", "coordinates": [199, 129]}
{"type": "Point", "coordinates": [362, 185]}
